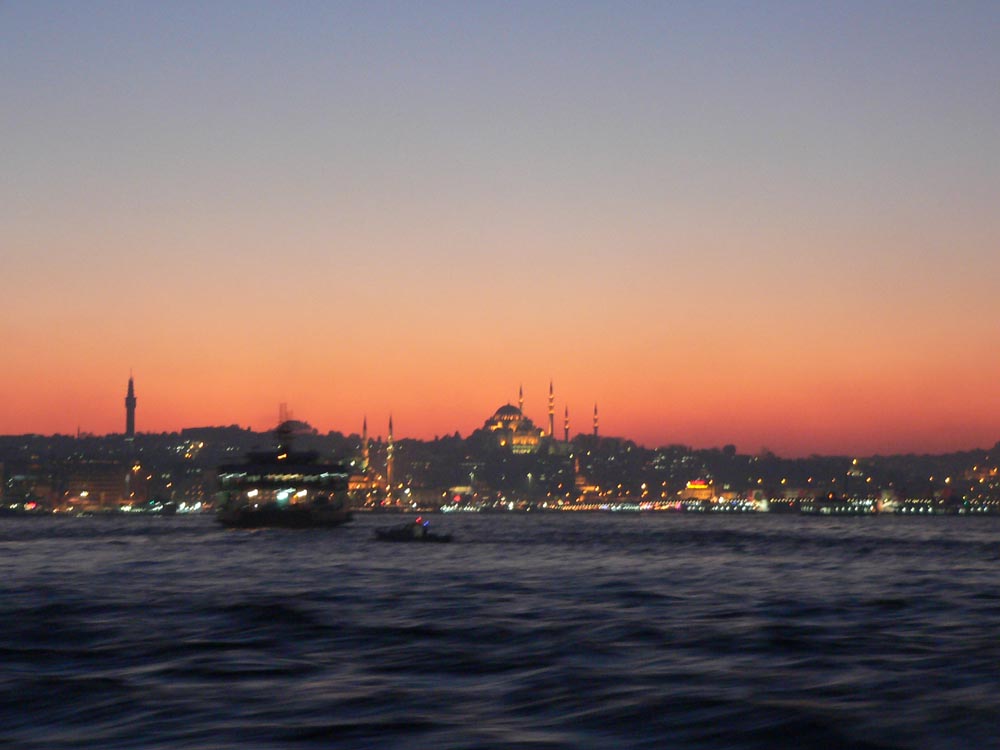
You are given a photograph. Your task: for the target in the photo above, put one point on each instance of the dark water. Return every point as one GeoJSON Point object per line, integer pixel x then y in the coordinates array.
{"type": "Point", "coordinates": [527, 632]}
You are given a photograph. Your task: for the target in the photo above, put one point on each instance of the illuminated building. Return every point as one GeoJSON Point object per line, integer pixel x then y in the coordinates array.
{"type": "Point", "coordinates": [512, 430]}
{"type": "Point", "coordinates": [130, 409]}
{"type": "Point", "coordinates": [698, 489]}
{"type": "Point", "coordinates": [388, 461]}
{"type": "Point", "coordinates": [585, 489]}
{"type": "Point", "coordinates": [96, 485]}
{"type": "Point", "coordinates": [365, 451]}
{"type": "Point", "coordinates": [552, 411]}
{"type": "Point", "coordinates": [363, 479]}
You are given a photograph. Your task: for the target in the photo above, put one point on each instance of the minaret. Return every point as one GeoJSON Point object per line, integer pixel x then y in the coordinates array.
{"type": "Point", "coordinates": [520, 399]}
{"type": "Point", "coordinates": [388, 461]}
{"type": "Point", "coordinates": [364, 445]}
{"type": "Point", "coordinates": [552, 411]}
{"type": "Point", "coordinates": [595, 420]}
{"type": "Point", "coordinates": [566, 425]}
{"type": "Point", "coordinates": [130, 409]}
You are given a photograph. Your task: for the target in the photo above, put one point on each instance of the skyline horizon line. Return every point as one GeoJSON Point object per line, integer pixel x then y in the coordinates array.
{"type": "Point", "coordinates": [780, 441]}
{"type": "Point", "coordinates": [287, 414]}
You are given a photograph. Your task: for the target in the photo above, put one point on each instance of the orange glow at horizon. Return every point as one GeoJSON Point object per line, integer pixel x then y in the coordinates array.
{"type": "Point", "coordinates": [702, 362]}
{"type": "Point", "coordinates": [706, 397]}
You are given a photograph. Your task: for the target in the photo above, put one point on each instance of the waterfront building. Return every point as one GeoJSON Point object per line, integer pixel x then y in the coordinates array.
{"type": "Point", "coordinates": [96, 485]}
{"type": "Point", "coordinates": [586, 490]}
{"type": "Point", "coordinates": [698, 489]}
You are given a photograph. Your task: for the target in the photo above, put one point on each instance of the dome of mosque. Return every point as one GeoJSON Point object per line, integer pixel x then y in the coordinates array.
{"type": "Point", "coordinates": [512, 430]}
{"type": "Point", "coordinates": [507, 412]}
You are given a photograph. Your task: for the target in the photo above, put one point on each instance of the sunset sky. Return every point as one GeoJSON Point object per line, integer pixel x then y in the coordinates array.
{"type": "Point", "coordinates": [769, 224]}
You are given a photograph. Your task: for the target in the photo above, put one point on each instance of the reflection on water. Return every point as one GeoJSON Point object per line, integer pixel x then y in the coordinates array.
{"type": "Point", "coordinates": [541, 631]}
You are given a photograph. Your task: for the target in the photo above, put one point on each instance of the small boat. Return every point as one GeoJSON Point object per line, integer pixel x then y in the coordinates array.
{"type": "Point", "coordinates": [283, 488]}
{"type": "Point", "coordinates": [417, 531]}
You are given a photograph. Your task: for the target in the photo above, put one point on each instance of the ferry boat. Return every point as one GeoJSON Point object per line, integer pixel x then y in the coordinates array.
{"type": "Point", "coordinates": [283, 488]}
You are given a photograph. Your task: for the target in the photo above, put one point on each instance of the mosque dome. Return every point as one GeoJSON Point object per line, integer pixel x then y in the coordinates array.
{"type": "Point", "coordinates": [507, 413]}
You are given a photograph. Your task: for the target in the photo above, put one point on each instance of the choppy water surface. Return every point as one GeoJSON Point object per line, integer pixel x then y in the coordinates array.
{"type": "Point", "coordinates": [546, 631]}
